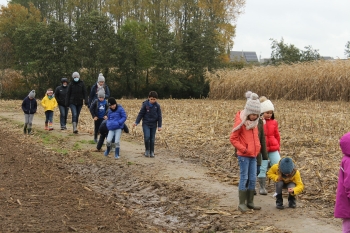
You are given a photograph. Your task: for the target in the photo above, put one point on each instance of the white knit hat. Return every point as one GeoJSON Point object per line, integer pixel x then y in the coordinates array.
{"type": "Point", "coordinates": [266, 105]}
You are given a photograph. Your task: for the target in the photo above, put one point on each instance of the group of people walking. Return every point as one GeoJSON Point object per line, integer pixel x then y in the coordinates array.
{"type": "Point", "coordinates": [109, 117]}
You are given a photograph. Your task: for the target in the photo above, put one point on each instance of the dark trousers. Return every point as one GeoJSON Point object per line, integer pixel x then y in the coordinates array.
{"type": "Point", "coordinates": [101, 141]}
{"type": "Point", "coordinates": [97, 126]}
{"type": "Point", "coordinates": [63, 114]}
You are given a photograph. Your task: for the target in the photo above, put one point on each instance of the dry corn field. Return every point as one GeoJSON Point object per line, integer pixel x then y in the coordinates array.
{"type": "Point", "coordinates": [321, 80]}
{"type": "Point", "coordinates": [198, 130]}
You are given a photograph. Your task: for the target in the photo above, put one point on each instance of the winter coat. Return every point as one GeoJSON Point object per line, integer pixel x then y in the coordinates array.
{"type": "Point", "coordinates": [49, 104]}
{"type": "Point", "coordinates": [96, 105]}
{"type": "Point", "coordinates": [245, 141]}
{"type": "Point", "coordinates": [116, 118]}
{"type": "Point", "coordinates": [29, 106]}
{"type": "Point", "coordinates": [76, 94]}
{"type": "Point", "coordinates": [273, 173]}
{"type": "Point", "coordinates": [342, 201]}
{"type": "Point", "coordinates": [60, 95]}
{"type": "Point", "coordinates": [103, 128]}
{"type": "Point", "coordinates": [151, 115]}
{"type": "Point", "coordinates": [93, 93]}
{"type": "Point", "coordinates": [272, 135]}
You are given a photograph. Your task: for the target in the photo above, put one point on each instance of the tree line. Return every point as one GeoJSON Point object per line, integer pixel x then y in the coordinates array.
{"type": "Point", "coordinates": [138, 45]}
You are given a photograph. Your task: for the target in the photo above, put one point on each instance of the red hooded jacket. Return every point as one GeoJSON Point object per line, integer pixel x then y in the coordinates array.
{"type": "Point", "coordinates": [272, 135]}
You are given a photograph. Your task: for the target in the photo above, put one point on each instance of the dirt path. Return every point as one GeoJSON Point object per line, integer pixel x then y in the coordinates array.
{"type": "Point", "coordinates": [164, 194]}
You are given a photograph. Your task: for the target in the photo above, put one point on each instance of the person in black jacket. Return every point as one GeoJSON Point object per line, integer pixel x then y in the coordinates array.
{"type": "Point", "coordinates": [60, 95]}
{"type": "Point", "coordinates": [29, 107]}
{"type": "Point", "coordinates": [151, 116]}
{"type": "Point", "coordinates": [75, 98]}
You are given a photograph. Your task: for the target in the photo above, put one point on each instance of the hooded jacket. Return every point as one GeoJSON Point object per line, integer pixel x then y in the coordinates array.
{"type": "Point", "coordinates": [151, 115]}
{"type": "Point", "coordinates": [245, 141]}
{"type": "Point", "coordinates": [116, 118]}
{"type": "Point", "coordinates": [29, 106]}
{"type": "Point", "coordinates": [49, 104]}
{"type": "Point", "coordinates": [342, 202]}
{"type": "Point", "coordinates": [273, 173]}
{"type": "Point", "coordinates": [272, 135]}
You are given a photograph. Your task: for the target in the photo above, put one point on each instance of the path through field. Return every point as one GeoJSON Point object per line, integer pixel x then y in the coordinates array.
{"type": "Point", "coordinates": [55, 182]}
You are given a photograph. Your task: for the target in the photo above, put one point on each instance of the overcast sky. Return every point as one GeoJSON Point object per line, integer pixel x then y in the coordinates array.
{"type": "Point", "coordinates": [325, 25]}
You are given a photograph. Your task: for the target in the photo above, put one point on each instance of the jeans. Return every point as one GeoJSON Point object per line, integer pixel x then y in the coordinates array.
{"type": "Point", "coordinates": [247, 172]}
{"type": "Point", "coordinates": [149, 135]}
{"type": "Point", "coordinates": [117, 133]}
{"type": "Point", "coordinates": [97, 126]}
{"type": "Point", "coordinates": [280, 185]}
{"type": "Point", "coordinates": [49, 116]}
{"type": "Point", "coordinates": [274, 157]}
{"type": "Point", "coordinates": [63, 115]}
{"type": "Point", "coordinates": [75, 112]}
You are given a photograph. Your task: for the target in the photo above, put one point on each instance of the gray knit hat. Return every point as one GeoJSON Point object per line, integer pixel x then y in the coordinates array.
{"type": "Point", "coordinates": [31, 94]}
{"type": "Point", "coordinates": [75, 75]}
{"type": "Point", "coordinates": [101, 93]}
{"type": "Point", "coordinates": [100, 78]}
{"type": "Point", "coordinates": [286, 165]}
{"type": "Point", "coordinates": [253, 105]}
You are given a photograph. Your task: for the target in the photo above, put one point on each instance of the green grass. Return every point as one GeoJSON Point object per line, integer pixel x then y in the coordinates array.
{"type": "Point", "coordinates": [76, 146]}
{"type": "Point", "coordinates": [87, 141]}
{"type": "Point", "coordinates": [61, 151]}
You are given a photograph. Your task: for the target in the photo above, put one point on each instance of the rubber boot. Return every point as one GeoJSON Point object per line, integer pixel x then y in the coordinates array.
{"type": "Point", "coordinates": [75, 130]}
{"type": "Point", "coordinates": [291, 201]}
{"type": "Point", "coordinates": [279, 201]}
{"type": "Point", "coordinates": [25, 129]}
{"type": "Point", "coordinates": [250, 200]}
{"type": "Point", "coordinates": [108, 149]}
{"type": "Point", "coordinates": [262, 182]}
{"type": "Point", "coordinates": [151, 154]}
{"type": "Point", "coordinates": [242, 194]}
{"type": "Point", "coordinates": [116, 155]}
{"type": "Point", "coordinates": [50, 126]}
{"type": "Point", "coordinates": [29, 131]}
{"type": "Point", "coordinates": [147, 153]}
{"type": "Point", "coordinates": [46, 126]}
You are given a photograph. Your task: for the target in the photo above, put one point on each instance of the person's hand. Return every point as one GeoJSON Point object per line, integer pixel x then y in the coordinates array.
{"type": "Point", "coordinates": [105, 117]}
{"type": "Point", "coordinates": [134, 125]}
{"type": "Point", "coordinates": [159, 129]}
{"type": "Point", "coordinates": [279, 178]}
{"type": "Point", "coordinates": [290, 190]}
{"type": "Point", "coordinates": [95, 118]}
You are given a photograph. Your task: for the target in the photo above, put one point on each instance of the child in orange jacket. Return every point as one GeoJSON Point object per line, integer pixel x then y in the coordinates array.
{"type": "Point", "coordinates": [245, 138]}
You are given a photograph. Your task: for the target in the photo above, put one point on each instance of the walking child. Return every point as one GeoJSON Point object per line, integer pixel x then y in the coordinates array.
{"type": "Point", "coordinates": [116, 118]}
{"type": "Point", "coordinates": [29, 107]}
{"type": "Point", "coordinates": [287, 176]}
{"type": "Point", "coordinates": [49, 103]}
{"type": "Point", "coordinates": [151, 116]}
{"type": "Point", "coordinates": [100, 84]}
{"type": "Point", "coordinates": [98, 110]}
{"type": "Point", "coordinates": [245, 138]}
{"type": "Point", "coordinates": [342, 202]}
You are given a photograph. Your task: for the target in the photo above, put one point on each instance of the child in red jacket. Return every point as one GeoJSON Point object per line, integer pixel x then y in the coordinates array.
{"type": "Point", "coordinates": [245, 138]}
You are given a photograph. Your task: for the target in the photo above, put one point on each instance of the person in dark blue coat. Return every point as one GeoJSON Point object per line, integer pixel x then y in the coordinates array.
{"type": "Point", "coordinates": [98, 110]}
{"type": "Point", "coordinates": [151, 116]}
{"type": "Point", "coordinates": [29, 107]}
{"type": "Point", "coordinates": [100, 84]}
{"type": "Point", "coordinates": [116, 118]}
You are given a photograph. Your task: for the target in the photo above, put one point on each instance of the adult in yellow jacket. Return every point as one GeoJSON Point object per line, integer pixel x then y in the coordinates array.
{"type": "Point", "coordinates": [286, 176]}
{"type": "Point", "coordinates": [49, 103]}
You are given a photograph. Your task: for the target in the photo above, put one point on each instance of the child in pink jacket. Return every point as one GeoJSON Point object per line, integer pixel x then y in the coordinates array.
{"type": "Point", "coordinates": [342, 203]}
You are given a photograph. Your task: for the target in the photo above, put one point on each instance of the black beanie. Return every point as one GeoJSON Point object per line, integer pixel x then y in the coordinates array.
{"type": "Point", "coordinates": [112, 101]}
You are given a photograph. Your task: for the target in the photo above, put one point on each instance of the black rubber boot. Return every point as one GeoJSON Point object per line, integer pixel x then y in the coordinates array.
{"type": "Point", "coordinates": [291, 201]}
{"type": "Point", "coordinates": [279, 201]}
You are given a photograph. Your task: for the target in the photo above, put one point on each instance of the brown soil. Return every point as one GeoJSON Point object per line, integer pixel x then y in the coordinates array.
{"type": "Point", "coordinates": [55, 182]}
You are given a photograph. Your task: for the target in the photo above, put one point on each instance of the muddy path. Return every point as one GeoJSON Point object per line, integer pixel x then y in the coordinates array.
{"type": "Point", "coordinates": [56, 182]}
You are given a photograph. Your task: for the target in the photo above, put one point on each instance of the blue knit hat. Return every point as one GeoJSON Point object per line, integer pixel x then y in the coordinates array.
{"type": "Point", "coordinates": [286, 165]}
